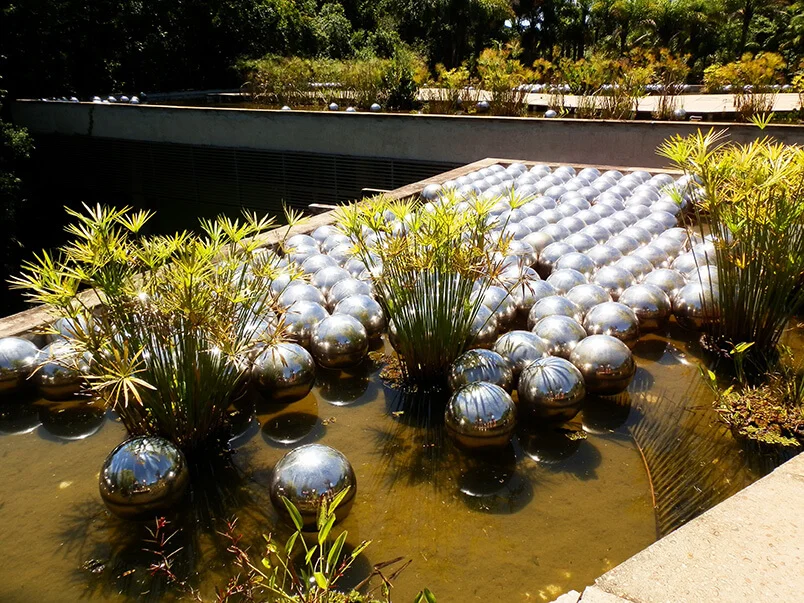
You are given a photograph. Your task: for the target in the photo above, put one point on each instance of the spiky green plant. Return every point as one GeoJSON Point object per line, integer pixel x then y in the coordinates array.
{"type": "Point", "coordinates": [168, 321]}
{"type": "Point", "coordinates": [430, 269]}
{"type": "Point", "coordinates": [751, 199]}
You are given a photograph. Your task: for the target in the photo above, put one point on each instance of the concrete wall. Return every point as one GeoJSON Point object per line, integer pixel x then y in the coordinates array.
{"type": "Point", "coordinates": [438, 138]}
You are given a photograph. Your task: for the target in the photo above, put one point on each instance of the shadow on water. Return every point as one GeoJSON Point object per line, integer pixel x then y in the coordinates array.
{"type": "Point", "coordinates": [72, 420]}
{"type": "Point", "coordinates": [19, 415]}
{"type": "Point", "coordinates": [560, 450]}
{"type": "Point", "coordinates": [353, 387]}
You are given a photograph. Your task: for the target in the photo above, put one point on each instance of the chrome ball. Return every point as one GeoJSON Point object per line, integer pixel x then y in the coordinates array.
{"type": "Point", "coordinates": [615, 319]}
{"type": "Point", "coordinates": [366, 310]}
{"type": "Point", "coordinates": [321, 233]}
{"type": "Point", "coordinates": [501, 304]}
{"type": "Point", "coordinates": [555, 305]}
{"type": "Point", "coordinates": [480, 365]}
{"type": "Point", "coordinates": [300, 291]}
{"type": "Point", "coordinates": [560, 333]}
{"type": "Point", "coordinates": [650, 304]}
{"type": "Point", "coordinates": [656, 256]}
{"type": "Point", "coordinates": [604, 255]}
{"type": "Point", "coordinates": [328, 277]}
{"type": "Point", "coordinates": [61, 374]}
{"type": "Point", "coordinates": [549, 256]}
{"type": "Point", "coordinates": [483, 331]}
{"type": "Point", "coordinates": [314, 263]}
{"type": "Point", "coordinates": [17, 361]}
{"type": "Point", "coordinates": [565, 279]}
{"type": "Point", "coordinates": [623, 243]}
{"type": "Point", "coordinates": [576, 261]}
{"type": "Point", "coordinates": [695, 306]}
{"type": "Point", "coordinates": [308, 475]}
{"type": "Point", "coordinates": [614, 280]}
{"type": "Point", "coordinates": [346, 288]}
{"type": "Point", "coordinates": [339, 341]}
{"type": "Point", "coordinates": [606, 363]}
{"type": "Point", "coordinates": [551, 389]}
{"type": "Point", "coordinates": [530, 291]}
{"type": "Point", "coordinates": [638, 267]}
{"type": "Point", "coordinates": [301, 318]}
{"type": "Point", "coordinates": [588, 296]}
{"type": "Point", "coordinates": [667, 279]}
{"type": "Point", "coordinates": [480, 415]}
{"type": "Point", "coordinates": [431, 192]}
{"type": "Point", "coordinates": [283, 372]}
{"type": "Point", "coordinates": [520, 348]}
{"type": "Point", "coordinates": [143, 477]}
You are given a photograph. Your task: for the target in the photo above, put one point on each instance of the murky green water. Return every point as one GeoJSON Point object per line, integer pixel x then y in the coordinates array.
{"type": "Point", "coordinates": [548, 514]}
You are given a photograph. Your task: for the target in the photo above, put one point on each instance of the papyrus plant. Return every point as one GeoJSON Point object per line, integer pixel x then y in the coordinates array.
{"type": "Point", "coordinates": [167, 321]}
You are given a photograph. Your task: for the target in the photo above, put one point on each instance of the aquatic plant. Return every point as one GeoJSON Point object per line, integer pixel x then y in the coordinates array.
{"type": "Point", "coordinates": [430, 268]}
{"type": "Point", "coordinates": [751, 79]}
{"type": "Point", "coordinates": [166, 322]}
{"type": "Point", "coordinates": [751, 199]}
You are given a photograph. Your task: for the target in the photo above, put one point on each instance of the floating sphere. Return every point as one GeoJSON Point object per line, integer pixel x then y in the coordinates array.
{"type": "Point", "coordinates": [300, 291]}
{"type": "Point", "coordinates": [667, 279]}
{"type": "Point", "coordinates": [283, 372]}
{"type": "Point", "coordinates": [549, 256]}
{"type": "Point", "coordinates": [613, 279]}
{"type": "Point", "coordinates": [17, 361]}
{"type": "Point", "coordinates": [285, 108]}
{"type": "Point", "coordinates": [638, 266]}
{"type": "Point", "coordinates": [554, 305]}
{"type": "Point", "coordinates": [501, 304]}
{"type": "Point", "coordinates": [550, 114]}
{"type": "Point", "coordinates": [687, 263]}
{"type": "Point", "coordinates": [301, 318]}
{"type": "Point", "coordinates": [588, 296]}
{"type": "Point", "coordinates": [300, 240]}
{"type": "Point", "coordinates": [604, 255]}
{"type": "Point", "coordinates": [339, 341]}
{"type": "Point", "coordinates": [695, 305]}
{"type": "Point", "coordinates": [615, 319]}
{"type": "Point", "coordinates": [529, 291]}
{"type": "Point", "coordinates": [623, 243]}
{"type": "Point", "coordinates": [606, 363]}
{"type": "Point", "coordinates": [581, 242]}
{"type": "Point", "coordinates": [431, 192]}
{"type": "Point", "coordinates": [347, 288]}
{"type": "Point", "coordinates": [640, 234]}
{"type": "Point", "coordinates": [577, 262]}
{"type": "Point", "coordinates": [61, 374]}
{"type": "Point", "coordinates": [551, 389]}
{"type": "Point", "coordinates": [480, 365]}
{"type": "Point", "coordinates": [483, 331]}
{"type": "Point", "coordinates": [326, 278]}
{"type": "Point", "coordinates": [597, 232]}
{"type": "Point", "coordinates": [650, 304]}
{"type": "Point", "coordinates": [308, 475]}
{"type": "Point", "coordinates": [654, 255]}
{"type": "Point", "coordinates": [480, 415]}
{"type": "Point", "coordinates": [314, 263]}
{"type": "Point", "coordinates": [565, 279]}
{"type": "Point", "coordinates": [520, 348]}
{"type": "Point", "coordinates": [482, 106]}
{"type": "Point", "coordinates": [366, 310]}
{"type": "Point", "coordinates": [560, 333]}
{"type": "Point", "coordinates": [539, 240]}
{"type": "Point", "coordinates": [143, 477]}
{"type": "Point", "coordinates": [351, 110]}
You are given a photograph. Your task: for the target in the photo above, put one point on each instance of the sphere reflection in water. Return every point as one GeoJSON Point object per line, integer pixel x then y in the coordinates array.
{"type": "Point", "coordinates": [17, 360]}
{"type": "Point", "coordinates": [142, 477]}
{"type": "Point", "coordinates": [606, 364]}
{"type": "Point", "coordinates": [74, 420]}
{"type": "Point", "coordinates": [480, 365]}
{"type": "Point", "coordinates": [551, 388]}
{"type": "Point", "coordinates": [480, 415]}
{"type": "Point", "coordinates": [339, 341]}
{"type": "Point", "coordinates": [548, 446]}
{"type": "Point", "coordinates": [283, 372]}
{"type": "Point", "coordinates": [604, 414]}
{"type": "Point", "coordinates": [308, 475]}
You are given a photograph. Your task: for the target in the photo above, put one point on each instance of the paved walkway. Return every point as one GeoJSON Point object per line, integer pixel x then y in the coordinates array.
{"type": "Point", "coordinates": [748, 549]}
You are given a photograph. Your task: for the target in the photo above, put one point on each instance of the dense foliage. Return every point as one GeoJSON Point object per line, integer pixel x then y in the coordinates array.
{"type": "Point", "coordinates": [52, 48]}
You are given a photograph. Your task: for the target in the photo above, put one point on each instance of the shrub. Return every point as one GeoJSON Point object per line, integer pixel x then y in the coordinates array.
{"type": "Point", "coordinates": [751, 79]}
{"type": "Point", "coordinates": [404, 74]}
{"type": "Point", "coordinates": [279, 80]}
{"type": "Point", "coordinates": [175, 320]}
{"type": "Point", "coordinates": [502, 75]}
{"type": "Point", "coordinates": [450, 92]}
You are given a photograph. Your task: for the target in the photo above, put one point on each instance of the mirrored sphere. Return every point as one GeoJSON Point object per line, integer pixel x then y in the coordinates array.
{"type": "Point", "coordinates": [549, 256]}
{"type": "Point", "coordinates": [300, 319]}
{"type": "Point", "coordinates": [339, 341]}
{"type": "Point", "coordinates": [615, 319]}
{"type": "Point", "coordinates": [314, 263]}
{"type": "Point", "coordinates": [614, 280]}
{"type": "Point", "coordinates": [695, 305]}
{"type": "Point", "coordinates": [551, 389]}
{"type": "Point", "coordinates": [327, 277]}
{"type": "Point", "coordinates": [650, 304]}
{"type": "Point", "coordinates": [639, 267]}
{"type": "Point", "coordinates": [480, 365]}
{"type": "Point", "coordinates": [308, 475]}
{"type": "Point", "coordinates": [606, 363]}
{"type": "Point", "coordinates": [588, 296]}
{"type": "Point", "coordinates": [555, 305]}
{"type": "Point", "coordinates": [143, 477]}
{"type": "Point", "coordinates": [502, 305]}
{"type": "Point", "coordinates": [298, 291]}
{"type": "Point", "coordinates": [483, 331]}
{"type": "Point", "coordinates": [480, 415]}
{"type": "Point", "coordinates": [560, 333]}
{"type": "Point", "coordinates": [283, 372]}
{"type": "Point", "coordinates": [667, 279]}
{"type": "Point", "coordinates": [61, 374]}
{"type": "Point", "coordinates": [520, 348]}
{"type": "Point", "coordinates": [565, 279]}
{"type": "Point", "coordinates": [527, 292]}
{"type": "Point", "coordinates": [576, 261]}
{"type": "Point", "coordinates": [346, 288]}
{"type": "Point", "coordinates": [366, 310]}
{"type": "Point", "coordinates": [17, 361]}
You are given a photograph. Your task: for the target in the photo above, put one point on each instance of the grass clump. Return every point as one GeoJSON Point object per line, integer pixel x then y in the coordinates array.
{"type": "Point", "coordinates": [167, 322]}
{"type": "Point", "coordinates": [430, 267]}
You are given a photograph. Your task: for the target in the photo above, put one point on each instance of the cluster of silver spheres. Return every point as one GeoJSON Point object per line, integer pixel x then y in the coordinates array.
{"type": "Point", "coordinates": [56, 371]}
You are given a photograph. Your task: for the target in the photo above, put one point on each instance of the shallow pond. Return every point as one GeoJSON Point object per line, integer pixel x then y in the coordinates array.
{"type": "Point", "coordinates": [550, 513]}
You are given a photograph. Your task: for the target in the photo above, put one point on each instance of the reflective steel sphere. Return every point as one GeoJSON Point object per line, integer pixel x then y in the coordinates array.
{"type": "Point", "coordinates": [606, 363]}
{"type": "Point", "coordinates": [623, 243]}
{"type": "Point", "coordinates": [549, 256]}
{"type": "Point", "coordinates": [695, 305]}
{"type": "Point", "coordinates": [321, 233]}
{"type": "Point", "coordinates": [283, 372]}
{"type": "Point", "coordinates": [528, 292]}
{"type": "Point", "coordinates": [301, 318]}
{"type": "Point", "coordinates": [300, 290]}
{"type": "Point", "coordinates": [143, 477]}
{"type": "Point", "coordinates": [667, 279]}
{"type": "Point", "coordinates": [339, 341]}
{"type": "Point", "coordinates": [308, 475]}
{"type": "Point", "coordinates": [560, 333]}
{"type": "Point", "coordinates": [613, 279]}
{"type": "Point", "coordinates": [347, 288]}
{"type": "Point", "coordinates": [366, 310]}
{"type": "Point", "coordinates": [484, 328]}
{"type": "Point", "coordinates": [314, 263]}
{"type": "Point", "coordinates": [604, 255]}
{"type": "Point", "coordinates": [615, 319]}
{"type": "Point", "coordinates": [480, 415]}
{"type": "Point", "coordinates": [431, 192]}
{"type": "Point", "coordinates": [520, 348]}
{"type": "Point", "coordinates": [61, 374]}
{"type": "Point", "coordinates": [501, 304]}
{"type": "Point", "coordinates": [565, 279]}
{"type": "Point", "coordinates": [588, 296]}
{"type": "Point", "coordinates": [328, 277]}
{"type": "Point", "coordinates": [639, 267]}
{"type": "Point", "coordinates": [555, 305]}
{"type": "Point", "coordinates": [480, 365]}
{"type": "Point", "coordinates": [552, 389]}
{"type": "Point", "coordinates": [650, 304]}
{"type": "Point", "coordinates": [17, 361]}
{"type": "Point", "coordinates": [576, 261]}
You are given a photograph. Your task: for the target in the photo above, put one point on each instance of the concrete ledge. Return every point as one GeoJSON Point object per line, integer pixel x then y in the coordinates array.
{"type": "Point", "coordinates": [749, 548]}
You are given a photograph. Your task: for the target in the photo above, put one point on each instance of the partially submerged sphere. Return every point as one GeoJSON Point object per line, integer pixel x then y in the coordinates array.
{"type": "Point", "coordinates": [560, 333]}
{"type": "Point", "coordinates": [283, 372]}
{"type": "Point", "coordinates": [695, 305]}
{"type": "Point", "coordinates": [483, 330]}
{"type": "Point", "coordinates": [667, 279]}
{"type": "Point", "coordinates": [375, 108]}
{"type": "Point", "coordinates": [606, 363]}
{"type": "Point", "coordinates": [613, 279]}
{"type": "Point", "coordinates": [143, 477]}
{"type": "Point", "coordinates": [308, 475]}
{"type": "Point", "coordinates": [520, 348]}
{"type": "Point", "coordinates": [650, 304]}
{"type": "Point", "coordinates": [61, 374]}
{"type": "Point", "coordinates": [588, 296]}
{"type": "Point", "coordinates": [480, 365]}
{"type": "Point", "coordinates": [554, 305]}
{"type": "Point", "coordinates": [301, 318]}
{"type": "Point", "coordinates": [551, 389]}
{"type": "Point", "coordinates": [339, 341]}
{"type": "Point", "coordinates": [17, 361]}
{"type": "Point", "coordinates": [480, 415]}
{"type": "Point", "coordinates": [366, 310]}
{"type": "Point", "coordinates": [615, 319]}
{"type": "Point", "coordinates": [333, 107]}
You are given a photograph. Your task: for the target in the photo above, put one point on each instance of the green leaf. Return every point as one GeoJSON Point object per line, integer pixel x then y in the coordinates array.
{"type": "Point", "coordinates": [360, 548]}
{"type": "Point", "coordinates": [321, 580]}
{"type": "Point", "coordinates": [338, 499]}
{"type": "Point", "coordinates": [335, 551]}
{"type": "Point", "coordinates": [291, 543]}
{"type": "Point", "coordinates": [425, 596]}
{"type": "Point", "coordinates": [323, 533]}
{"type": "Point", "coordinates": [310, 554]}
{"type": "Point", "coordinates": [294, 514]}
